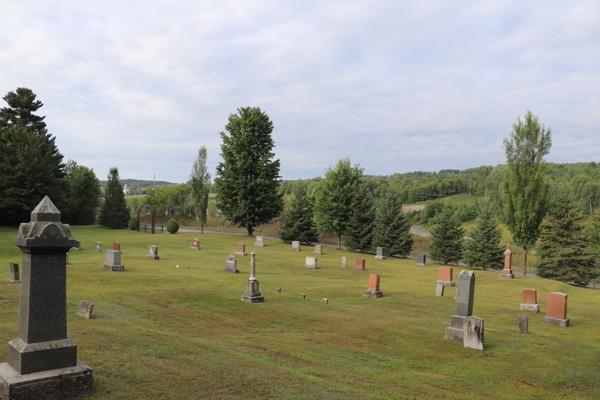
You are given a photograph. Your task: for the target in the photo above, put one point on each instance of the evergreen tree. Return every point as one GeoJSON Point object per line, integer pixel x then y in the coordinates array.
{"type": "Point", "coordinates": [200, 182]}
{"type": "Point", "coordinates": [484, 249]}
{"type": "Point", "coordinates": [593, 235]}
{"type": "Point", "coordinates": [297, 221]}
{"type": "Point", "coordinates": [391, 230]}
{"type": "Point", "coordinates": [563, 249]}
{"type": "Point", "coordinates": [446, 237]}
{"type": "Point", "coordinates": [526, 194]}
{"type": "Point", "coordinates": [114, 212]}
{"type": "Point", "coordinates": [334, 197]}
{"type": "Point", "coordinates": [248, 179]}
{"type": "Point", "coordinates": [359, 234]}
{"type": "Point", "coordinates": [30, 164]}
{"type": "Point", "coordinates": [83, 189]}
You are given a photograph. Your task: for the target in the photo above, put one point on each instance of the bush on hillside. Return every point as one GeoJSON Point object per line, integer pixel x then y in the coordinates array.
{"type": "Point", "coordinates": [172, 226]}
{"type": "Point", "coordinates": [133, 223]}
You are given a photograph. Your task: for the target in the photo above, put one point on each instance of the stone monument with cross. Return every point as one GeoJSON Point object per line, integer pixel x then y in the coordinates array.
{"type": "Point", "coordinates": [43, 358]}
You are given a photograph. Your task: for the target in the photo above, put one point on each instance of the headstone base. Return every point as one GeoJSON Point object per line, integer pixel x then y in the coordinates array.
{"type": "Point", "coordinates": [318, 252]}
{"type": "Point", "coordinates": [60, 384]}
{"type": "Point", "coordinates": [28, 358]}
{"type": "Point", "coordinates": [293, 249]}
{"type": "Point", "coordinates": [311, 266]}
{"type": "Point", "coordinates": [98, 250]}
{"type": "Point", "coordinates": [451, 333]}
{"type": "Point", "coordinates": [530, 307]}
{"type": "Point", "coordinates": [260, 244]}
{"type": "Point", "coordinates": [557, 321]}
{"type": "Point", "coordinates": [195, 248]}
{"type": "Point", "coordinates": [230, 270]}
{"type": "Point", "coordinates": [13, 281]}
{"type": "Point", "coordinates": [361, 269]}
{"type": "Point", "coordinates": [252, 297]}
{"type": "Point", "coordinates": [380, 257]}
{"type": "Point", "coordinates": [240, 253]}
{"type": "Point", "coordinates": [374, 294]}
{"type": "Point", "coordinates": [152, 257]}
{"type": "Point", "coordinates": [446, 283]}
{"type": "Point", "coordinates": [507, 276]}
{"type": "Point", "coordinates": [439, 290]}
{"type": "Point", "coordinates": [421, 264]}
{"type": "Point", "coordinates": [110, 267]}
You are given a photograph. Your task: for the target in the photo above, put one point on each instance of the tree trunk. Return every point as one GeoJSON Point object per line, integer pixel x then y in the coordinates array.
{"type": "Point", "coordinates": [249, 230]}
{"type": "Point", "coordinates": [339, 241]}
{"type": "Point", "coordinates": [525, 266]}
{"type": "Point", "coordinates": [201, 228]}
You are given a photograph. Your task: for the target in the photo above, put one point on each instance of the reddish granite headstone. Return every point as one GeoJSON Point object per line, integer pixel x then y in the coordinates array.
{"type": "Point", "coordinates": [360, 264]}
{"type": "Point", "coordinates": [116, 246]}
{"type": "Point", "coordinates": [529, 296]}
{"type": "Point", "coordinates": [373, 282]}
{"type": "Point", "coordinates": [557, 305]}
{"type": "Point", "coordinates": [445, 274]}
{"type": "Point", "coordinates": [241, 248]}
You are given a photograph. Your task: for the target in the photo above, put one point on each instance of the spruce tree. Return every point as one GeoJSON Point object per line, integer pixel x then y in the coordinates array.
{"type": "Point", "coordinates": [446, 237]}
{"type": "Point", "coordinates": [248, 179]}
{"type": "Point", "coordinates": [484, 249]}
{"type": "Point", "coordinates": [359, 233]}
{"type": "Point", "coordinates": [593, 236]}
{"type": "Point", "coordinates": [391, 230]}
{"type": "Point", "coordinates": [297, 221]}
{"type": "Point", "coordinates": [114, 212]}
{"type": "Point", "coordinates": [563, 249]}
{"type": "Point", "coordinates": [83, 189]}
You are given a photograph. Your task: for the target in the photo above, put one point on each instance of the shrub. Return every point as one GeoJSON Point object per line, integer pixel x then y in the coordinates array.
{"type": "Point", "coordinates": [133, 223]}
{"type": "Point", "coordinates": [172, 226]}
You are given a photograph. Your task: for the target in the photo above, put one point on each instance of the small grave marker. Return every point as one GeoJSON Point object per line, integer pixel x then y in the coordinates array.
{"type": "Point", "coordinates": [473, 333]}
{"type": "Point", "coordinates": [241, 249]}
{"type": "Point", "coordinates": [373, 287]}
{"type": "Point", "coordinates": [445, 277]}
{"type": "Point", "coordinates": [195, 244]}
{"type": "Point", "coordinates": [98, 247]}
{"type": "Point", "coordinates": [295, 245]}
{"type": "Point", "coordinates": [380, 252]}
{"type": "Point", "coordinates": [523, 324]}
{"type": "Point", "coordinates": [85, 309]}
{"type": "Point", "coordinates": [112, 261]}
{"type": "Point", "coordinates": [557, 309]}
{"type": "Point", "coordinates": [344, 262]}
{"type": "Point", "coordinates": [116, 246]}
{"type": "Point", "coordinates": [231, 264]}
{"type": "Point", "coordinates": [311, 262]}
{"type": "Point", "coordinates": [302, 296]}
{"type": "Point", "coordinates": [360, 264]}
{"type": "Point", "coordinates": [14, 272]}
{"type": "Point", "coordinates": [318, 249]}
{"type": "Point", "coordinates": [260, 241]}
{"type": "Point", "coordinates": [530, 301]}
{"type": "Point", "coordinates": [421, 259]}
{"type": "Point", "coordinates": [153, 252]}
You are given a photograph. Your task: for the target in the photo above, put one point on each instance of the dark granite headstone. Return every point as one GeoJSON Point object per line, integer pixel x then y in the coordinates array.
{"type": "Point", "coordinates": [44, 358]}
{"type": "Point", "coordinates": [14, 272]}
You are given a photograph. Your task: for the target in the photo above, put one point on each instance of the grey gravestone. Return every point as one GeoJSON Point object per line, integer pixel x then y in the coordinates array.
{"type": "Point", "coordinates": [85, 309]}
{"type": "Point", "coordinates": [344, 262]}
{"type": "Point", "coordinates": [78, 247]}
{"type": "Point", "coordinates": [112, 261]}
{"type": "Point", "coordinates": [260, 241]}
{"type": "Point", "coordinates": [380, 253]}
{"type": "Point", "coordinates": [153, 252]}
{"type": "Point", "coordinates": [98, 247]}
{"type": "Point", "coordinates": [302, 296]}
{"type": "Point", "coordinates": [318, 249]}
{"type": "Point", "coordinates": [464, 305]}
{"type": "Point", "coordinates": [311, 262]}
{"type": "Point", "coordinates": [295, 246]}
{"type": "Point", "coordinates": [67, 262]}
{"type": "Point", "coordinates": [421, 259]}
{"type": "Point", "coordinates": [43, 359]}
{"type": "Point", "coordinates": [14, 272]}
{"type": "Point", "coordinates": [474, 333]}
{"type": "Point", "coordinates": [523, 324]}
{"type": "Point", "coordinates": [277, 290]}
{"type": "Point", "coordinates": [252, 293]}
{"type": "Point", "coordinates": [439, 289]}
{"type": "Point", "coordinates": [231, 264]}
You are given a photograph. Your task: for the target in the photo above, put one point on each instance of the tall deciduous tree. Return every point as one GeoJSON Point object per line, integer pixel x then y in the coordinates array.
{"type": "Point", "coordinates": [392, 231]}
{"type": "Point", "coordinates": [83, 194]}
{"type": "Point", "coordinates": [297, 221]}
{"type": "Point", "coordinates": [446, 237]}
{"type": "Point", "coordinates": [114, 212]}
{"type": "Point", "coordinates": [484, 249]}
{"type": "Point", "coordinates": [248, 178]}
{"type": "Point", "coordinates": [200, 182]}
{"type": "Point", "coordinates": [525, 190]}
{"type": "Point", "coordinates": [31, 166]}
{"type": "Point", "coordinates": [334, 197]}
{"type": "Point", "coordinates": [359, 234]}
{"type": "Point", "coordinates": [563, 249]}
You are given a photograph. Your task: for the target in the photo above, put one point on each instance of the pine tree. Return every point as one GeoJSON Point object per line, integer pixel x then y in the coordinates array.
{"type": "Point", "coordinates": [248, 179]}
{"type": "Point", "coordinates": [297, 221]}
{"type": "Point", "coordinates": [446, 237]}
{"type": "Point", "coordinates": [484, 249]}
{"type": "Point", "coordinates": [563, 249]}
{"type": "Point", "coordinates": [200, 182]}
{"type": "Point", "coordinates": [391, 230]}
{"type": "Point", "coordinates": [359, 234]}
{"type": "Point", "coordinates": [334, 197]}
{"type": "Point", "coordinates": [114, 212]}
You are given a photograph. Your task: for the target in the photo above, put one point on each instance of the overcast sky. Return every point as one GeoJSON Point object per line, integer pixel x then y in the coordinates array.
{"type": "Point", "coordinates": [397, 86]}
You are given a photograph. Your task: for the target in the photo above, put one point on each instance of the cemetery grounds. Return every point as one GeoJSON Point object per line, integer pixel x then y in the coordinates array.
{"type": "Point", "coordinates": [161, 332]}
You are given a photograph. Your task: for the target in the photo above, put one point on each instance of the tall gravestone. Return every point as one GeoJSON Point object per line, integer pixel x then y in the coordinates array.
{"type": "Point", "coordinates": [464, 305]}
{"type": "Point", "coordinates": [42, 361]}
{"type": "Point", "coordinates": [14, 272]}
{"type": "Point", "coordinates": [344, 262]}
{"type": "Point", "coordinates": [252, 293]}
{"type": "Point", "coordinates": [507, 272]}
{"type": "Point", "coordinates": [380, 252]}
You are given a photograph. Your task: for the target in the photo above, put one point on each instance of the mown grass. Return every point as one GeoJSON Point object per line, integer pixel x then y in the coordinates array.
{"type": "Point", "coordinates": [162, 332]}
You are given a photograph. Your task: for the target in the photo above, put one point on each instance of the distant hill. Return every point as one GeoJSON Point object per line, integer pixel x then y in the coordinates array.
{"type": "Point", "coordinates": [139, 183]}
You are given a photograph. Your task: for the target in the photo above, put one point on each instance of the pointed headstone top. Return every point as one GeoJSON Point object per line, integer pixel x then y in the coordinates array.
{"type": "Point", "coordinates": [45, 211]}
{"type": "Point", "coordinates": [508, 252]}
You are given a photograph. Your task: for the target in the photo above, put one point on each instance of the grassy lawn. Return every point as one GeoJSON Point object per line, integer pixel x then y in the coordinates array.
{"type": "Point", "coordinates": [162, 332]}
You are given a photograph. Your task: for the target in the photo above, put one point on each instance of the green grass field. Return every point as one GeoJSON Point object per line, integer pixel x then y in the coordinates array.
{"type": "Point", "coordinates": [162, 332]}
